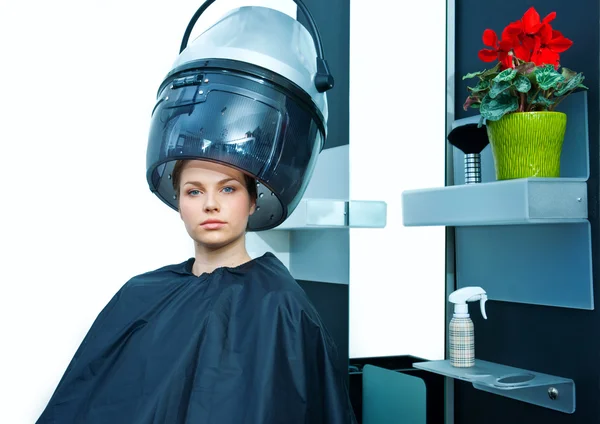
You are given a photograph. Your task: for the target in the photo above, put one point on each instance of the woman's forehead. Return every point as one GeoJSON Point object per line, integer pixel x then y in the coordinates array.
{"type": "Point", "coordinates": [209, 171]}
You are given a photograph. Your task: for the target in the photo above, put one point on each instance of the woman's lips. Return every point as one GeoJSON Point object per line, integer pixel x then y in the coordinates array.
{"type": "Point", "coordinates": [212, 225]}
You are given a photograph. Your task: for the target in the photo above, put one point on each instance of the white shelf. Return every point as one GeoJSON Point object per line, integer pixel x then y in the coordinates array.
{"type": "Point", "coordinates": [315, 214]}
{"type": "Point", "coordinates": [314, 241]}
{"type": "Point", "coordinates": [509, 202]}
{"type": "Point", "coordinates": [544, 390]}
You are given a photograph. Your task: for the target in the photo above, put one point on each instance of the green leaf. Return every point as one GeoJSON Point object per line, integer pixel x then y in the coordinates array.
{"type": "Point", "coordinates": [475, 106]}
{"type": "Point", "coordinates": [532, 78]}
{"type": "Point", "coordinates": [483, 74]}
{"type": "Point", "coordinates": [543, 101]}
{"type": "Point", "coordinates": [482, 86]}
{"type": "Point", "coordinates": [540, 100]}
{"type": "Point", "coordinates": [569, 85]}
{"type": "Point", "coordinates": [522, 84]}
{"type": "Point", "coordinates": [567, 73]}
{"type": "Point", "coordinates": [480, 121]}
{"type": "Point", "coordinates": [498, 88]}
{"type": "Point", "coordinates": [472, 75]}
{"type": "Point", "coordinates": [490, 73]}
{"type": "Point", "coordinates": [470, 102]}
{"type": "Point", "coordinates": [583, 86]}
{"type": "Point", "coordinates": [495, 109]}
{"type": "Point", "coordinates": [506, 75]}
{"type": "Point", "coordinates": [547, 77]}
{"type": "Point", "coordinates": [525, 68]}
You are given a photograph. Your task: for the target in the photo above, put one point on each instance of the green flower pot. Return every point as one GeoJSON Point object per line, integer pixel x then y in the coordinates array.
{"type": "Point", "coordinates": [527, 144]}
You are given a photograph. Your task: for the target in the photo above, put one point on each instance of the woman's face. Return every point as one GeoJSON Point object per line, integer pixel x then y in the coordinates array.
{"type": "Point", "coordinates": [214, 203]}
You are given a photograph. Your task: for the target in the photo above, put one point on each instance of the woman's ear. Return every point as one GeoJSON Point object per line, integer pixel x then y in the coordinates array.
{"type": "Point", "coordinates": [252, 206]}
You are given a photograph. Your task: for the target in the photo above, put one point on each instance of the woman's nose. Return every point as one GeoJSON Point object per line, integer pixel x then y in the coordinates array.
{"type": "Point", "coordinates": [211, 203]}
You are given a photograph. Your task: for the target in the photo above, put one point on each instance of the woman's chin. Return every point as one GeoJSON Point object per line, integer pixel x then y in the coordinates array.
{"type": "Point", "coordinates": [214, 240]}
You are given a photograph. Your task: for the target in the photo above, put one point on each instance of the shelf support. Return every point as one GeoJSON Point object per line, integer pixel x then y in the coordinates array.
{"type": "Point", "coordinates": [539, 389]}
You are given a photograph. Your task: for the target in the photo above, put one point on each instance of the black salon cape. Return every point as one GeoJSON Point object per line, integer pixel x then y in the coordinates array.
{"type": "Point", "coordinates": [237, 346]}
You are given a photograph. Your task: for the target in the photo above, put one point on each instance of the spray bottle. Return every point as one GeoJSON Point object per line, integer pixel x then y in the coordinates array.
{"type": "Point", "coordinates": [462, 335]}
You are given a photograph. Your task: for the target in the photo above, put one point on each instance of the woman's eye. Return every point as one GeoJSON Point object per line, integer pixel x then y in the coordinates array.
{"type": "Point", "coordinates": [228, 189]}
{"type": "Point", "coordinates": [194, 192]}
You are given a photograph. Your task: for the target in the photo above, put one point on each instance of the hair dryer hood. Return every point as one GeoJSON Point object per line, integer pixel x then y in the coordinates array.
{"type": "Point", "coordinates": [249, 92]}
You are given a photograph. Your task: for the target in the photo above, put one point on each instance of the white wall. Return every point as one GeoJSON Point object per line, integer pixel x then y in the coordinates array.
{"type": "Point", "coordinates": [397, 138]}
{"type": "Point", "coordinates": [79, 83]}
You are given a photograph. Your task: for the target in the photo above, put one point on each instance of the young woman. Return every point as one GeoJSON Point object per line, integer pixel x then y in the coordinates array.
{"type": "Point", "coordinates": [218, 339]}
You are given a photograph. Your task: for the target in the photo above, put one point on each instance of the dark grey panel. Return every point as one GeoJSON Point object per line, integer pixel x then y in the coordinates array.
{"type": "Point", "coordinates": [552, 340]}
{"type": "Point", "coordinates": [333, 19]}
{"type": "Point", "coordinates": [332, 303]}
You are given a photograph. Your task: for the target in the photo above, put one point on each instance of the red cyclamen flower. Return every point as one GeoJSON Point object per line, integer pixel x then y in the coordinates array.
{"type": "Point", "coordinates": [501, 51]}
{"type": "Point", "coordinates": [528, 39]}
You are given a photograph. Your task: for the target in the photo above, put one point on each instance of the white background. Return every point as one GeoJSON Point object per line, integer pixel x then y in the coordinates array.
{"type": "Point", "coordinates": [397, 138]}
{"type": "Point", "coordinates": [79, 84]}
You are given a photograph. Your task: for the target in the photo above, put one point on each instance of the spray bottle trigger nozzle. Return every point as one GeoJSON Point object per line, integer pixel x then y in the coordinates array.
{"type": "Point", "coordinates": [482, 301]}
{"type": "Point", "coordinates": [462, 297]}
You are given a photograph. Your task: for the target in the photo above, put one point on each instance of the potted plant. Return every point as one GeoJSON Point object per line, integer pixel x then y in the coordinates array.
{"type": "Point", "coordinates": [519, 95]}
